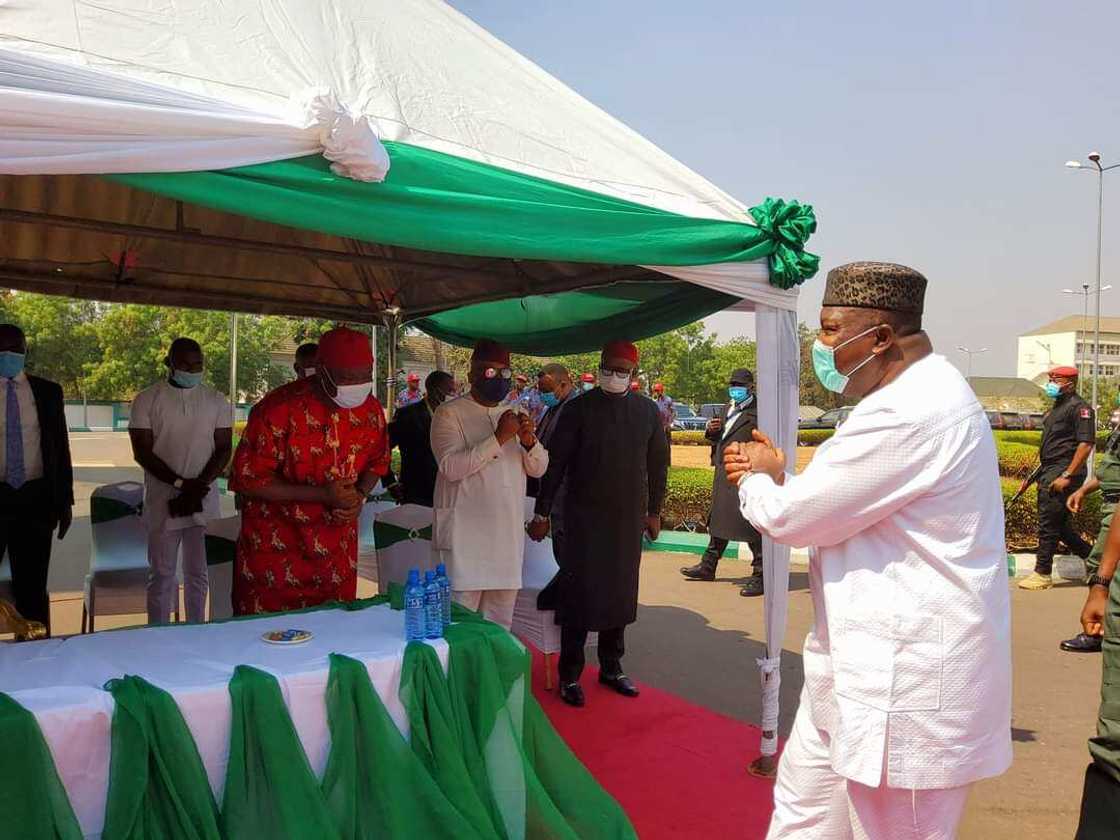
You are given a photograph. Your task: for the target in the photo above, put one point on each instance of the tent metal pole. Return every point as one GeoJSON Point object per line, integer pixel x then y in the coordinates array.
{"type": "Point", "coordinates": [373, 349]}
{"type": "Point", "coordinates": [233, 365]}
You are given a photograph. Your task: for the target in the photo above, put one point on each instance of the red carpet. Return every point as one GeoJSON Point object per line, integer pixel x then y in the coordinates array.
{"type": "Point", "coordinates": [679, 770]}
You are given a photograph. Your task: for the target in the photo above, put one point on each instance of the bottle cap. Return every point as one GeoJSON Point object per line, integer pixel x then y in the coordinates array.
{"type": "Point", "coordinates": [413, 575]}
{"type": "Point", "coordinates": [441, 569]}
{"type": "Point", "coordinates": [429, 576]}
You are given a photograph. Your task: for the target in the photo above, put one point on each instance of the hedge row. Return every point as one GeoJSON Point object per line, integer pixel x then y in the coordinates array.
{"type": "Point", "coordinates": [689, 498]}
{"type": "Point", "coordinates": [690, 439]}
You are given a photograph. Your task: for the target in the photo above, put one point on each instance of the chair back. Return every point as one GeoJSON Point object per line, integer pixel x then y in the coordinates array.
{"type": "Point", "coordinates": [403, 535]}
{"type": "Point", "coordinates": [221, 554]}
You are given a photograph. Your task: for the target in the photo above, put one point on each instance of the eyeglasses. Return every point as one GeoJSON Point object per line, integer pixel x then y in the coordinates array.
{"type": "Point", "coordinates": [616, 371]}
{"type": "Point", "coordinates": [493, 373]}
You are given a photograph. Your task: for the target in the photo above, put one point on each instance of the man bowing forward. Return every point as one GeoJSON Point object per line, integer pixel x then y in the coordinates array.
{"type": "Point", "coordinates": [907, 697]}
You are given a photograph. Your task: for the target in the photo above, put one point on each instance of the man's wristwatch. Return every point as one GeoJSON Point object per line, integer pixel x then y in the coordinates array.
{"type": "Point", "coordinates": [178, 484]}
{"type": "Point", "coordinates": [1067, 474]}
{"type": "Point", "coordinates": [1097, 580]}
{"type": "Point", "coordinates": [538, 518]}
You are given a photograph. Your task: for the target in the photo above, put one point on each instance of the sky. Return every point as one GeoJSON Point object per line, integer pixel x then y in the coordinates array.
{"type": "Point", "coordinates": [928, 134]}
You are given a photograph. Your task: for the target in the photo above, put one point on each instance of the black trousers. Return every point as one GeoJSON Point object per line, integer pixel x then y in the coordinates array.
{"type": "Point", "coordinates": [716, 547]}
{"type": "Point", "coordinates": [612, 646]}
{"type": "Point", "coordinates": [1054, 524]}
{"type": "Point", "coordinates": [1100, 806]}
{"type": "Point", "coordinates": [27, 523]}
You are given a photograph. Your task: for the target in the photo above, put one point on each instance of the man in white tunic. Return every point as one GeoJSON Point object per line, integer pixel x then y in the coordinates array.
{"type": "Point", "coordinates": [907, 697]}
{"type": "Point", "coordinates": [182, 436]}
{"type": "Point", "coordinates": [484, 450]}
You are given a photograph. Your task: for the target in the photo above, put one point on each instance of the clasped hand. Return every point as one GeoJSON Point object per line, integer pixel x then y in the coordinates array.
{"type": "Point", "coordinates": [344, 500]}
{"type": "Point", "coordinates": [758, 456]}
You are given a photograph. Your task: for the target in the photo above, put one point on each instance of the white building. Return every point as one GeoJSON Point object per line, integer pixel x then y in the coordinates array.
{"type": "Point", "coordinates": [1069, 341]}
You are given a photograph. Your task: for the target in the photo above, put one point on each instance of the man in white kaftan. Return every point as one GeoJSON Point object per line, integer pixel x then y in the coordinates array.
{"type": "Point", "coordinates": [907, 697]}
{"type": "Point", "coordinates": [484, 451]}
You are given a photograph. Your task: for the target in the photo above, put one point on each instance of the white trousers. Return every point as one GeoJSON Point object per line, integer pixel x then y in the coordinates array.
{"type": "Point", "coordinates": [163, 589]}
{"type": "Point", "coordinates": [812, 802]}
{"type": "Point", "coordinates": [495, 604]}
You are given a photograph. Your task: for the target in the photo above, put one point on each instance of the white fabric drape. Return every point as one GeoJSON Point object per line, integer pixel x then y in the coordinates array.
{"type": "Point", "coordinates": [778, 379]}
{"type": "Point", "coordinates": [748, 281]}
{"type": "Point", "coordinates": [58, 118]}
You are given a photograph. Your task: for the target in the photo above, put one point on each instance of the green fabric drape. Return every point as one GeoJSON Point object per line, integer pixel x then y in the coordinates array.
{"type": "Point", "coordinates": [578, 322]}
{"type": "Point", "coordinates": [482, 762]}
{"type": "Point", "coordinates": [270, 788]}
{"type": "Point", "coordinates": [33, 802]}
{"type": "Point", "coordinates": [439, 202]}
{"type": "Point", "coordinates": [386, 534]}
{"type": "Point", "coordinates": [158, 788]}
{"type": "Point", "coordinates": [374, 784]}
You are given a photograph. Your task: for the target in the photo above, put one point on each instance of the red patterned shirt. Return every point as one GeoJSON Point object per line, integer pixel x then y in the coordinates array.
{"type": "Point", "coordinates": [289, 555]}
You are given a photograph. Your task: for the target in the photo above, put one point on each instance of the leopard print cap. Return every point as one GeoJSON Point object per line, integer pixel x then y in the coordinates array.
{"type": "Point", "coordinates": [876, 285]}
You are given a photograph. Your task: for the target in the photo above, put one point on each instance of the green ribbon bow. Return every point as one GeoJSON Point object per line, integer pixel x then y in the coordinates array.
{"type": "Point", "coordinates": [789, 226]}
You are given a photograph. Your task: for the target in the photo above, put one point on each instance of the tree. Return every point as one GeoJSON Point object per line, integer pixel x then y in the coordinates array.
{"type": "Point", "coordinates": [812, 391]}
{"type": "Point", "coordinates": [61, 339]}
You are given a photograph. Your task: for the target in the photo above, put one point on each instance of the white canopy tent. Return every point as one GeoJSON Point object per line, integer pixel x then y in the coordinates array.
{"type": "Point", "coordinates": [486, 180]}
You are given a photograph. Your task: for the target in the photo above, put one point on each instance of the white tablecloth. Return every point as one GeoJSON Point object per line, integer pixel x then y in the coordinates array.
{"type": "Point", "coordinates": [60, 681]}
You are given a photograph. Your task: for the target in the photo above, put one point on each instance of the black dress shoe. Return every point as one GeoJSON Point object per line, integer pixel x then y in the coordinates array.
{"type": "Point", "coordinates": [753, 587]}
{"type": "Point", "coordinates": [572, 694]}
{"type": "Point", "coordinates": [1082, 643]}
{"type": "Point", "coordinates": [699, 572]}
{"type": "Point", "coordinates": [620, 683]}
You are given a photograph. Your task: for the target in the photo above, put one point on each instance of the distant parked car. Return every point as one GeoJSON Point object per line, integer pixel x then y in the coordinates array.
{"type": "Point", "coordinates": [1033, 421]}
{"type": "Point", "coordinates": [829, 420]}
{"type": "Point", "coordinates": [687, 419]}
{"type": "Point", "coordinates": [1012, 421]}
{"type": "Point", "coordinates": [710, 410]}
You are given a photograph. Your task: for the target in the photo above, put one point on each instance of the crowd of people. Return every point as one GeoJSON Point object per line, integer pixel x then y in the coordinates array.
{"type": "Point", "coordinates": [906, 700]}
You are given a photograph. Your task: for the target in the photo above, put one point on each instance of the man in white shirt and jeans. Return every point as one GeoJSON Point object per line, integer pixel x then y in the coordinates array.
{"type": "Point", "coordinates": [182, 436]}
{"type": "Point", "coordinates": [484, 450]}
{"type": "Point", "coordinates": [907, 697]}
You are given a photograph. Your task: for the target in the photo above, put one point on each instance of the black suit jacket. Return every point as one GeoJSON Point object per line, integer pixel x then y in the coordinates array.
{"type": "Point", "coordinates": [725, 520]}
{"type": "Point", "coordinates": [411, 430]}
{"type": "Point", "coordinates": [58, 470]}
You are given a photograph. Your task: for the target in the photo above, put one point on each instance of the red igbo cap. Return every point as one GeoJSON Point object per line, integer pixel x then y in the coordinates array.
{"type": "Point", "coordinates": [414, 377]}
{"type": "Point", "coordinates": [619, 349]}
{"type": "Point", "coordinates": [587, 377]}
{"type": "Point", "coordinates": [488, 350]}
{"type": "Point", "coordinates": [345, 348]}
{"type": "Point", "coordinates": [1066, 370]}
{"type": "Point", "coordinates": [635, 385]}
{"type": "Point", "coordinates": [658, 386]}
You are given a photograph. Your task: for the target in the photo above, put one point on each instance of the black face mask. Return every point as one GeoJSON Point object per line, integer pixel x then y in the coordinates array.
{"type": "Point", "coordinates": [494, 390]}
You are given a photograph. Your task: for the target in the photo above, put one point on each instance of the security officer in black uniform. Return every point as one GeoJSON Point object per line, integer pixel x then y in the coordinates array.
{"type": "Point", "coordinates": [725, 523]}
{"type": "Point", "coordinates": [1068, 435]}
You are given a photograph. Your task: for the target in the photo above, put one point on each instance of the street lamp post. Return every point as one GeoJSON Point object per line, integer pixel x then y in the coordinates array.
{"type": "Point", "coordinates": [970, 354]}
{"type": "Point", "coordinates": [1084, 292]}
{"type": "Point", "coordinates": [1095, 160]}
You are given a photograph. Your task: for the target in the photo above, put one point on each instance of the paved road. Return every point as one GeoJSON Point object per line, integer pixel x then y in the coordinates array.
{"type": "Point", "coordinates": [700, 640]}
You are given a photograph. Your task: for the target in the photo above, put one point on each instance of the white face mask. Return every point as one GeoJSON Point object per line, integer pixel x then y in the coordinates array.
{"type": "Point", "coordinates": [614, 383]}
{"type": "Point", "coordinates": [349, 396]}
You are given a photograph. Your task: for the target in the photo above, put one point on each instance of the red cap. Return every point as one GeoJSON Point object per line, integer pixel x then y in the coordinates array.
{"type": "Point", "coordinates": [635, 385]}
{"type": "Point", "coordinates": [489, 350]}
{"type": "Point", "coordinates": [619, 349]}
{"type": "Point", "coordinates": [1066, 371]}
{"type": "Point", "coordinates": [343, 347]}
{"type": "Point", "coordinates": [587, 377]}
{"type": "Point", "coordinates": [657, 386]}
{"type": "Point", "coordinates": [414, 377]}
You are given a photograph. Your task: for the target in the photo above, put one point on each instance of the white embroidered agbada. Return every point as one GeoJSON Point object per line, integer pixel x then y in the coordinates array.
{"type": "Point", "coordinates": [479, 502]}
{"type": "Point", "coordinates": [909, 659]}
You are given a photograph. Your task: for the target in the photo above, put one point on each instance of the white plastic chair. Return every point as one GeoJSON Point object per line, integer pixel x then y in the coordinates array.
{"type": "Point", "coordinates": [403, 535]}
{"type": "Point", "coordinates": [118, 567]}
{"type": "Point", "coordinates": [367, 544]}
{"type": "Point", "coordinates": [221, 553]}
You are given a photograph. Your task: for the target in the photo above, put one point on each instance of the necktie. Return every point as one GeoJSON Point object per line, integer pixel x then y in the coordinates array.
{"type": "Point", "coordinates": [14, 440]}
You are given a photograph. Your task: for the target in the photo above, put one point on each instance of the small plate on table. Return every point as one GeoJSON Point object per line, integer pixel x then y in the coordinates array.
{"type": "Point", "coordinates": [291, 636]}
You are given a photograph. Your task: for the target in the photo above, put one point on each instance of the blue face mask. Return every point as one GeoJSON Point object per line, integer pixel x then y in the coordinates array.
{"type": "Point", "coordinates": [738, 393]}
{"type": "Point", "coordinates": [1052, 390]}
{"type": "Point", "coordinates": [186, 379]}
{"type": "Point", "coordinates": [549, 399]}
{"type": "Point", "coordinates": [11, 364]}
{"type": "Point", "coordinates": [824, 363]}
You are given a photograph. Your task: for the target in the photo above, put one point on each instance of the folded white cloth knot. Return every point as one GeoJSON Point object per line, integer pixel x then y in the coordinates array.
{"type": "Point", "coordinates": [769, 665]}
{"type": "Point", "coordinates": [349, 142]}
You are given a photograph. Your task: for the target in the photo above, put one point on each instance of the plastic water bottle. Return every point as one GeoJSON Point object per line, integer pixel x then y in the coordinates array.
{"type": "Point", "coordinates": [414, 623]}
{"type": "Point", "coordinates": [445, 594]}
{"type": "Point", "coordinates": [433, 606]}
